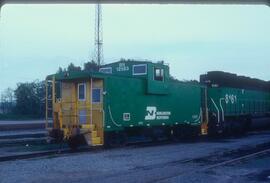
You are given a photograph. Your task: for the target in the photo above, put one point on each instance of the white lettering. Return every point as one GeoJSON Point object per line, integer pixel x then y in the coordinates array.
{"type": "Point", "coordinates": [162, 113]}
{"type": "Point", "coordinates": [230, 98]}
{"type": "Point", "coordinates": [162, 117]}
{"type": "Point", "coordinates": [153, 114]}
{"type": "Point", "coordinates": [122, 67]}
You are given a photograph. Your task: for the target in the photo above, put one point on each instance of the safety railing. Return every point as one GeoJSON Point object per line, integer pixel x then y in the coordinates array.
{"type": "Point", "coordinates": [48, 102]}
{"type": "Point", "coordinates": [73, 114]}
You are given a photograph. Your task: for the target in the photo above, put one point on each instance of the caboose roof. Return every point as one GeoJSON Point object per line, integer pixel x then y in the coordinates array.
{"type": "Point", "coordinates": [127, 71]}
{"type": "Point", "coordinates": [73, 75]}
{"type": "Point", "coordinates": [129, 62]}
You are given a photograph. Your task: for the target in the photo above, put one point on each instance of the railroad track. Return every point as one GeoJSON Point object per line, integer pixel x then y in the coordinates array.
{"type": "Point", "coordinates": [39, 154]}
{"type": "Point", "coordinates": [16, 133]}
{"type": "Point", "coordinates": [22, 139]}
{"type": "Point", "coordinates": [61, 151]}
{"type": "Point", "coordinates": [22, 125]}
{"type": "Point", "coordinates": [228, 162]}
{"type": "Point", "coordinates": [30, 155]}
{"type": "Point", "coordinates": [65, 151]}
{"type": "Point", "coordinates": [216, 165]}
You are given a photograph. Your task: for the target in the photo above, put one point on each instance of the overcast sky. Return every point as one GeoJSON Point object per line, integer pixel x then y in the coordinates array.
{"type": "Point", "coordinates": [36, 39]}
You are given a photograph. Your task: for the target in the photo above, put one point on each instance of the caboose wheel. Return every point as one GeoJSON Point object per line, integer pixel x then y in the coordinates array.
{"type": "Point", "coordinates": [75, 142]}
{"type": "Point", "coordinates": [215, 128]}
{"type": "Point", "coordinates": [72, 143]}
{"type": "Point", "coordinates": [115, 139]}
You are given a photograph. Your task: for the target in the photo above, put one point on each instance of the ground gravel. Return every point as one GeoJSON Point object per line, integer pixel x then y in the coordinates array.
{"type": "Point", "coordinates": [164, 163]}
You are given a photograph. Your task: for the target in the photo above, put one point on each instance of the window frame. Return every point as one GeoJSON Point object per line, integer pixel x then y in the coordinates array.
{"type": "Point", "coordinates": [78, 90]}
{"type": "Point", "coordinates": [138, 74]}
{"type": "Point", "coordinates": [110, 68]}
{"type": "Point", "coordinates": [162, 72]}
{"type": "Point", "coordinates": [100, 98]}
{"type": "Point", "coordinates": [82, 116]}
{"type": "Point", "coordinates": [58, 98]}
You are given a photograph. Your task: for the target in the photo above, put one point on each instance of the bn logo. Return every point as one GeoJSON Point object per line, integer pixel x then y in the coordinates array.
{"type": "Point", "coordinates": [151, 113]}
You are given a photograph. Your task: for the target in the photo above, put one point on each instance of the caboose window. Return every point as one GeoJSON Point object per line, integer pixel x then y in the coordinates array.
{"type": "Point", "coordinates": [82, 116]}
{"type": "Point", "coordinates": [107, 70]}
{"type": "Point", "coordinates": [58, 90]}
{"type": "Point", "coordinates": [139, 69]}
{"type": "Point", "coordinates": [96, 95]}
{"type": "Point", "coordinates": [81, 91]}
{"type": "Point", "coordinates": [158, 74]}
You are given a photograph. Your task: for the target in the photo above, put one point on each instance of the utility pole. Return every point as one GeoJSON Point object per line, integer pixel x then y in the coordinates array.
{"type": "Point", "coordinates": [98, 36]}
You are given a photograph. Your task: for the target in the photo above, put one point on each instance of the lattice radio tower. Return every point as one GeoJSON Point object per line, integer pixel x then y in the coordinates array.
{"type": "Point", "coordinates": [98, 36]}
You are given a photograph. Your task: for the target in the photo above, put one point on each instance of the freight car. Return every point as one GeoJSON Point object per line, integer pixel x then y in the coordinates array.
{"type": "Point", "coordinates": [235, 103]}
{"type": "Point", "coordinates": [133, 98]}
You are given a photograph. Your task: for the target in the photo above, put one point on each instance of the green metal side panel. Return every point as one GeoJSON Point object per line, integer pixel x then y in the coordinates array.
{"type": "Point", "coordinates": [232, 101]}
{"type": "Point", "coordinates": [157, 87]}
{"type": "Point", "coordinates": [128, 97]}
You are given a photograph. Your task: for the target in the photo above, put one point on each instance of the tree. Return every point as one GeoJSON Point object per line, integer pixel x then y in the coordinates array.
{"type": "Point", "coordinates": [3, 104]}
{"type": "Point", "coordinates": [26, 99]}
{"type": "Point", "coordinates": [41, 94]}
{"type": "Point", "coordinates": [91, 66]}
{"type": "Point", "coordinates": [30, 99]}
{"type": "Point", "coordinates": [88, 66]}
{"type": "Point", "coordinates": [60, 70]}
{"type": "Point", "coordinates": [72, 67]}
{"type": "Point", "coordinates": [7, 101]}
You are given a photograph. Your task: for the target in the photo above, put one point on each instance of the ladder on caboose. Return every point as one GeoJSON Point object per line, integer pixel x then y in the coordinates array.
{"type": "Point", "coordinates": [49, 98]}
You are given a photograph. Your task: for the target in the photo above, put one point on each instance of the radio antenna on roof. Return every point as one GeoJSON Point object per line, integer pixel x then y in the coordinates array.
{"type": "Point", "coordinates": [98, 35]}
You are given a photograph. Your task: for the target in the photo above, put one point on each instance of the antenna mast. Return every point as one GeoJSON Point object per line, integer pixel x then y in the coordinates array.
{"type": "Point", "coordinates": [98, 36]}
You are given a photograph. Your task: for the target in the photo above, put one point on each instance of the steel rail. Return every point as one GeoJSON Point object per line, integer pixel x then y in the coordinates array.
{"type": "Point", "coordinates": [223, 163]}
{"type": "Point", "coordinates": [56, 152]}
{"type": "Point", "coordinates": [29, 155]}
{"type": "Point", "coordinates": [131, 145]}
{"type": "Point", "coordinates": [251, 155]}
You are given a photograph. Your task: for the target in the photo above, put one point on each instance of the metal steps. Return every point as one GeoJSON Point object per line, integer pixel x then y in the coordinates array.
{"type": "Point", "coordinates": [92, 137]}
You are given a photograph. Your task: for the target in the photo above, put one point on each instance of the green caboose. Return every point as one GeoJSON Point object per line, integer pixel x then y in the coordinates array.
{"type": "Point", "coordinates": [123, 99]}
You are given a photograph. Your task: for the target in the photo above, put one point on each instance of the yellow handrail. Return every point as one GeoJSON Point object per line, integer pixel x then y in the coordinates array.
{"type": "Point", "coordinates": [46, 103]}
